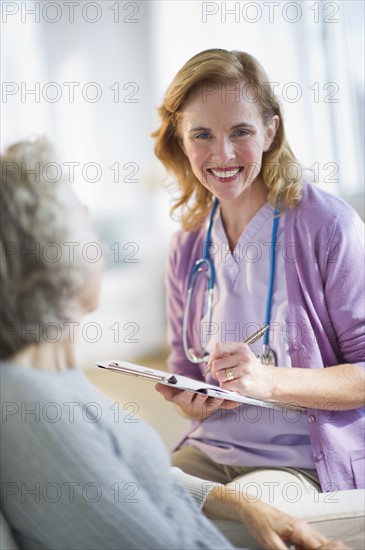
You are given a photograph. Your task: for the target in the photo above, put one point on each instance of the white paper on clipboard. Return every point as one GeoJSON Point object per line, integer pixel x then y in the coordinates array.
{"type": "Point", "coordinates": [189, 384]}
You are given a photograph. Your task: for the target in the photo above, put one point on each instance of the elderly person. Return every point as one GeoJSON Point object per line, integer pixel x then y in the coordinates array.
{"type": "Point", "coordinates": [73, 477]}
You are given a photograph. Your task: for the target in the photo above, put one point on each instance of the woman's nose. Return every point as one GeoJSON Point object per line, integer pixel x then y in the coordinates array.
{"type": "Point", "coordinates": [223, 150]}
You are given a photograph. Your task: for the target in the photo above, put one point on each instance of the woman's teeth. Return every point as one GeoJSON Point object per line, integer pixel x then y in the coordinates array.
{"type": "Point", "coordinates": [226, 173]}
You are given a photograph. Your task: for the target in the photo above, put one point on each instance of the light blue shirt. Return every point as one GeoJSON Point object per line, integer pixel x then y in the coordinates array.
{"type": "Point", "coordinates": [80, 472]}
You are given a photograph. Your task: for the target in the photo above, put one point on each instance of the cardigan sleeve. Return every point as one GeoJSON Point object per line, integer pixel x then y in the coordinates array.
{"type": "Point", "coordinates": [197, 487]}
{"type": "Point", "coordinates": [325, 281]}
{"type": "Point", "coordinates": [344, 276]}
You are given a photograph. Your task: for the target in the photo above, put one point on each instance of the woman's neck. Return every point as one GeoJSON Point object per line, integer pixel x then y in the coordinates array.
{"type": "Point", "coordinates": [47, 356]}
{"type": "Point", "coordinates": [237, 214]}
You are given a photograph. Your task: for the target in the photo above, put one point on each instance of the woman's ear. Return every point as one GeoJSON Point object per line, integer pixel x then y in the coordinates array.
{"type": "Point", "coordinates": [271, 131]}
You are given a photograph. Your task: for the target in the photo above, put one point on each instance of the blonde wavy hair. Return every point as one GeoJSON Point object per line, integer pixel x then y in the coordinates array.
{"type": "Point", "coordinates": [216, 67]}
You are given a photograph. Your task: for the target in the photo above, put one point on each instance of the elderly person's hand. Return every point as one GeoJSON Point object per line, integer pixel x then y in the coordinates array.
{"type": "Point", "coordinates": [272, 528]}
{"type": "Point", "coordinates": [237, 368]}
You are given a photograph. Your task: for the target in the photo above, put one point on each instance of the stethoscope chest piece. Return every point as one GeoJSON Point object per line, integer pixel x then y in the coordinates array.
{"type": "Point", "coordinates": [268, 356]}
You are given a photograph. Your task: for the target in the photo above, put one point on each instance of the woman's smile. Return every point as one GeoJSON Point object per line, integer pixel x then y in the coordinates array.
{"type": "Point", "coordinates": [226, 174]}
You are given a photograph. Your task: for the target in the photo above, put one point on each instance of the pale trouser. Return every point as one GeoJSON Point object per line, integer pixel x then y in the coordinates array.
{"type": "Point", "coordinates": [337, 515]}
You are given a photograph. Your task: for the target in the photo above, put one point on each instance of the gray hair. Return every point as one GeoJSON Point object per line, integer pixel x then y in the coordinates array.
{"type": "Point", "coordinates": [39, 271]}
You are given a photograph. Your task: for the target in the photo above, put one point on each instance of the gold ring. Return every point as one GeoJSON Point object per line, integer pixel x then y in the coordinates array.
{"type": "Point", "coordinates": [229, 374]}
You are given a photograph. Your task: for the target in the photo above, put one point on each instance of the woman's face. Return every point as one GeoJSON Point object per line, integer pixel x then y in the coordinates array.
{"type": "Point", "coordinates": [224, 137]}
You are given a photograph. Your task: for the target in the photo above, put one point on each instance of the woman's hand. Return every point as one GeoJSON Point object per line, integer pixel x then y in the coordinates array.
{"type": "Point", "coordinates": [236, 368]}
{"type": "Point", "coordinates": [272, 528]}
{"type": "Point", "coordinates": [193, 405]}
{"type": "Point", "coordinates": [250, 377]}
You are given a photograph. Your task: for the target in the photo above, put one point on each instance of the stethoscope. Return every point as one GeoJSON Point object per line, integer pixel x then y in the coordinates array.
{"type": "Point", "coordinates": [268, 356]}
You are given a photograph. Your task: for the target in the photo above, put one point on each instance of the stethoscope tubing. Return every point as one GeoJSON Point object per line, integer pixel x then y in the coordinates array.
{"type": "Point", "coordinates": [272, 274]}
{"type": "Point", "coordinates": [206, 260]}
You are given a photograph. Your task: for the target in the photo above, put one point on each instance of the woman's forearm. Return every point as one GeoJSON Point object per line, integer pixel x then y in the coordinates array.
{"type": "Point", "coordinates": [341, 387]}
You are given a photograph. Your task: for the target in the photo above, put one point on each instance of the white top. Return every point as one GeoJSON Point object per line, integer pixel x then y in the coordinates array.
{"type": "Point", "coordinates": [242, 280]}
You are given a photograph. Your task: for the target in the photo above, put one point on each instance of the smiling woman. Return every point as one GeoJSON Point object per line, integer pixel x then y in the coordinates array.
{"type": "Point", "coordinates": [222, 136]}
{"type": "Point", "coordinates": [220, 107]}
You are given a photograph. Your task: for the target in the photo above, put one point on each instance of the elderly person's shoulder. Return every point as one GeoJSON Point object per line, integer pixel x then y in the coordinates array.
{"type": "Point", "coordinates": [62, 413]}
{"type": "Point", "coordinates": [24, 384]}
{"type": "Point", "coordinates": [66, 402]}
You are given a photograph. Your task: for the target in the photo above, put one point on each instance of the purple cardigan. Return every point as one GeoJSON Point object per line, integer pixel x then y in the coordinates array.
{"type": "Point", "coordinates": [324, 269]}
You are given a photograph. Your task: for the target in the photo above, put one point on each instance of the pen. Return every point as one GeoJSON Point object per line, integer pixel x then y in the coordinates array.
{"type": "Point", "coordinates": [249, 340]}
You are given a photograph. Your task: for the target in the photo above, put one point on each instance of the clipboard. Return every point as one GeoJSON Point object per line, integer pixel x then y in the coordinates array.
{"type": "Point", "coordinates": [188, 384]}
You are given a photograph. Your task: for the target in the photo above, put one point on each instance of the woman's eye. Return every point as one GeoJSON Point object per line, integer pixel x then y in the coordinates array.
{"type": "Point", "coordinates": [241, 133]}
{"type": "Point", "coordinates": [203, 135]}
